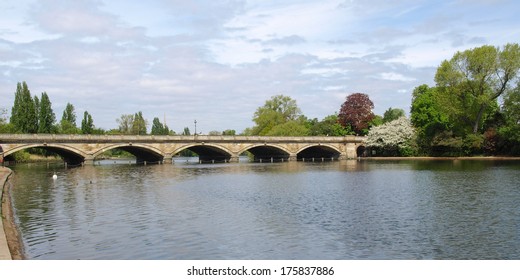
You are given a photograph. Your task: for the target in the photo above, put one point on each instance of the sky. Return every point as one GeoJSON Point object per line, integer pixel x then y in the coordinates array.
{"type": "Point", "coordinates": [216, 62]}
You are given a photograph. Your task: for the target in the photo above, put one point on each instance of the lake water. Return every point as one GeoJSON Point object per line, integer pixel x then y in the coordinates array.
{"type": "Point", "coordinates": [367, 209]}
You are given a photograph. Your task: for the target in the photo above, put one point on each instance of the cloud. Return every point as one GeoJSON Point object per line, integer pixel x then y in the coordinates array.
{"type": "Point", "coordinates": [217, 61]}
{"type": "Point", "coordinates": [286, 40]}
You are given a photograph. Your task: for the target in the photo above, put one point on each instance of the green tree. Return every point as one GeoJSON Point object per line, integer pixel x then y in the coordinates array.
{"type": "Point", "coordinates": [125, 123]}
{"type": "Point", "coordinates": [158, 128]}
{"type": "Point", "coordinates": [276, 111]}
{"type": "Point", "coordinates": [5, 127]}
{"type": "Point", "coordinates": [510, 131]}
{"type": "Point", "coordinates": [139, 124]}
{"type": "Point", "coordinates": [392, 114]}
{"type": "Point", "coordinates": [87, 124]}
{"type": "Point", "coordinates": [229, 132]}
{"type": "Point", "coordinates": [427, 116]}
{"type": "Point", "coordinates": [186, 131]}
{"type": "Point", "coordinates": [329, 126]}
{"type": "Point", "coordinates": [289, 128]}
{"type": "Point", "coordinates": [473, 79]}
{"type": "Point", "coordinates": [68, 120]}
{"type": "Point", "coordinates": [46, 116]}
{"type": "Point", "coordinates": [36, 102]}
{"type": "Point", "coordinates": [23, 113]}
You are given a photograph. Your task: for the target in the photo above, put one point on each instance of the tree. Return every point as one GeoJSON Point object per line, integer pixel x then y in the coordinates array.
{"type": "Point", "coordinates": [276, 111]}
{"type": "Point", "coordinates": [125, 123]}
{"type": "Point", "coordinates": [356, 112]}
{"type": "Point", "coordinates": [329, 126]}
{"type": "Point", "coordinates": [68, 120]}
{"type": "Point", "coordinates": [139, 124]}
{"type": "Point", "coordinates": [473, 79]}
{"type": "Point", "coordinates": [290, 128]}
{"type": "Point", "coordinates": [87, 124]}
{"type": "Point", "coordinates": [186, 131]}
{"type": "Point", "coordinates": [158, 128]}
{"type": "Point", "coordinates": [229, 132]}
{"type": "Point", "coordinates": [5, 127]}
{"type": "Point", "coordinates": [23, 113]}
{"type": "Point", "coordinates": [46, 116]}
{"type": "Point", "coordinates": [36, 102]}
{"type": "Point", "coordinates": [3, 113]}
{"type": "Point", "coordinates": [510, 131]}
{"type": "Point", "coordinates": [427, 116]}
{"type": "Point", "coordinates": [394, 138]}
{"type": "Point", "coordinates": [392, 114]}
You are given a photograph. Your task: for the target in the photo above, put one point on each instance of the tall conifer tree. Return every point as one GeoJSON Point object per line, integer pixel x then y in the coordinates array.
{"type": "Point", "coordinates": [46, 116]}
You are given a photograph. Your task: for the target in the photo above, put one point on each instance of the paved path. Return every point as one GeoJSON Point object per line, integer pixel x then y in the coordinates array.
{"type": "Point", "coordinates": [4, 249]}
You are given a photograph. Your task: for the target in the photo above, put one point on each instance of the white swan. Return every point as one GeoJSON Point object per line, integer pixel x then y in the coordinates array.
{"type": "Point", "coordinates": [54, 177]}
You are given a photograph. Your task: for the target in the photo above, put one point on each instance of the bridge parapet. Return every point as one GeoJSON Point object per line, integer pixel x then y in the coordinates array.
{"type": "Point", "coordinates": [175, 138]}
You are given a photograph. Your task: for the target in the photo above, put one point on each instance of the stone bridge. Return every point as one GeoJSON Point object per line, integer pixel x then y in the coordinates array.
{"type": "Point", "coordinates": [84, 149]}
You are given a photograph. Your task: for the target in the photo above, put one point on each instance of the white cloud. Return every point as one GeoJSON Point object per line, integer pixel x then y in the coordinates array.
{"type": "Point", "coordinates": [217, 61]}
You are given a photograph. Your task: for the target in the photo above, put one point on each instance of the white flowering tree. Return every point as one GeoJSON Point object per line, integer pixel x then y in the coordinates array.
{"type": "Point", "coordinates": [395, 138]}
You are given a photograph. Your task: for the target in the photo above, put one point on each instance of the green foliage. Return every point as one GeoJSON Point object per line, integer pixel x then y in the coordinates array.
{"type": "Point", "coordinates": [277, 111]}
{"type": "Point", "coordinates": [132, 124]}
{"type": "Point", "coordinates": [23, 113]}
{"type": "Point", "coordinates": [125, 123]}
{"type": "Point", "coordinates": [427, 116]}
{"type": "Point", "coordinates": [329, 126]}
{"type": "Point", "coordinates": [186, 131]}
{"type": "Point", "coordinates": [139, 124]}
{"type": "Point", "coordinates": [509, 132]}
{"type": "Point", "coordinates": [68, 120]}
{"type": "Point", "coordinates": [21, 156]}
{"type": "Point", "coordinates": [229, 132]}
{"type": "Point", "coordinates": [4, 126]}
{"type": "Point", "coordinates": [87, 124]}
{"type": "Point", "coordinates": [158, 128]}
{"type": "Point", "coordinates": [46, 116]}
{"type": "Point", "coordinates": [289, 128]}
{"type": "Point", "coordinates": [471, 80]}
{"type": "Point", "coordinates": [392, 114]}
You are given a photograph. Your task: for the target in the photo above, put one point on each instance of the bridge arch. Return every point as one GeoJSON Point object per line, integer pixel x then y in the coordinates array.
{"type": "Point", "coordinates": [267, 152]}
{"type": "Point", "coordinates": [361, 151]}
{"type": "Point", "coordinates": [318, 151]}
{"type": "Point", "coordinates": [69, 154]}
{"type": "Point", "coordinates": [207, 152]}
{"type": "Point", "coordinates": [142, 153]}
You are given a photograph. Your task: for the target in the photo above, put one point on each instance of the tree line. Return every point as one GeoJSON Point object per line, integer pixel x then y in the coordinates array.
{"type": "Point", "coordinates": [473, 109]}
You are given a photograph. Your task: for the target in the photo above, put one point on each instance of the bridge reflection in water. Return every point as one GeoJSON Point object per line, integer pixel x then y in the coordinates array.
{"type": "Point", "coordinates": [84, 149]}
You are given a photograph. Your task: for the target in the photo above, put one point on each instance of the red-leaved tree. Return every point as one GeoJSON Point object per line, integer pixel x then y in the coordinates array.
{"type": "Point", "coordinates": [356, 112]}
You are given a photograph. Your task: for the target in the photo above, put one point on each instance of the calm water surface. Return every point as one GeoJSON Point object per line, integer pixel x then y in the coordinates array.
{"type": "Point", "coordinates": [335, 210]}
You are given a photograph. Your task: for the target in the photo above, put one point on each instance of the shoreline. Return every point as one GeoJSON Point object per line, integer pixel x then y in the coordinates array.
{"type": "Point", "coordinates": [11, 247]}
{"type": "Point", "coordinates": [443, 158]}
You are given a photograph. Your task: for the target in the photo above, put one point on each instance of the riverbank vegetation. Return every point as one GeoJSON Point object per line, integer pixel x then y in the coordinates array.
{"type": "Point", "coordinates": [473, 109]}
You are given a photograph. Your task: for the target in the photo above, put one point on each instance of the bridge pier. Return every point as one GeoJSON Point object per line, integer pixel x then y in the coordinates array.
{"type": "Point", "coordinates": [351, 150]}
{"type": "Point", "coordinates": [293, 157]}
{"type": "Point", "coordinates": [234, 159]}
{"type": "Point", "coordinates": [88, 161]}
{"type": "Point", "coordinates": [168, 159]}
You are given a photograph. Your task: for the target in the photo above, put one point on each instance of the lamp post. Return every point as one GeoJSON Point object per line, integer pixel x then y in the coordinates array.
{"type": "Point", "coordinates": [195, 126]}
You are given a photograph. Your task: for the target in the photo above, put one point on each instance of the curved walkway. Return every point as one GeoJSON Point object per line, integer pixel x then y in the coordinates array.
{"type": "Point", "coordinates": [4, 249]}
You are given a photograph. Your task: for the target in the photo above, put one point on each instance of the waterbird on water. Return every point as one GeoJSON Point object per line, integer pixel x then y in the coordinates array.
{"type": "Point", "coordinates": [54, 177]}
